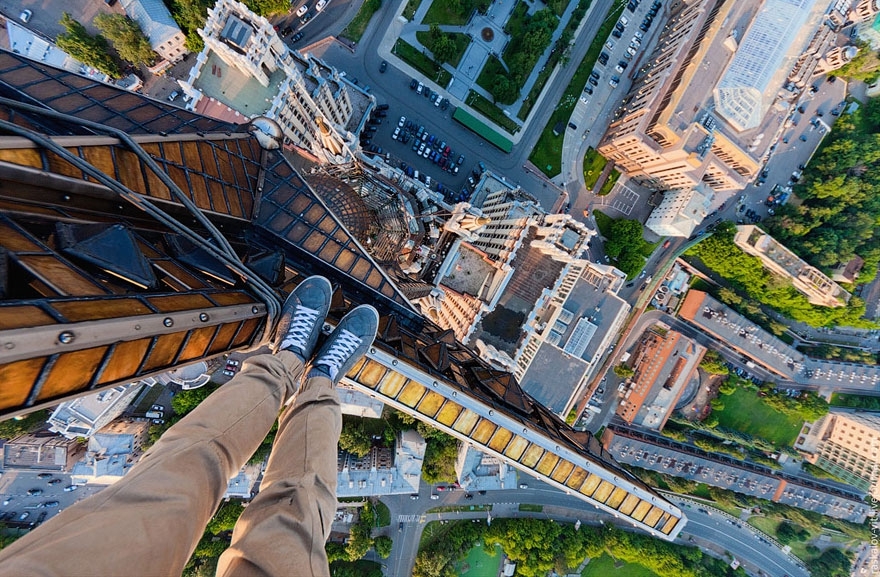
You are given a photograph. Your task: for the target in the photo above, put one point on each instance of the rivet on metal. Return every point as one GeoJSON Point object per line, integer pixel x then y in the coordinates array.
{"type": "Point", "coordinates": [168, 322]}
{"type": "Point", "coordinates": [66, 337]}
{"type": "Point", "coordinates": [203, 317]}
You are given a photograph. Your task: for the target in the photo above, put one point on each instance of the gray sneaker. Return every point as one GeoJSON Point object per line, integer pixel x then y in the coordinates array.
{"type": "Point", "coordinates": [349, 341]}
{"type": "Point", "coordinates": [303, 316]}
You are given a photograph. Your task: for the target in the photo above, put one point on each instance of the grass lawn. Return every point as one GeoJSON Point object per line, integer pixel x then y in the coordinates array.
{"type": "Point", "coordinates": [455, 13]}
{"type": "Point", "coordinates": [417, 60]}
{"type": "Point", "coordinates": [461, 43]}
{"type": "Point", "coordinates": [383, 514]}
{"type": "Point", "coordinates": [491, 68]}
{"type": "Point", "coordinates": [547, 153]}
{"type": "Point", "coordinates": [603, 222]}
{"type": "Point", "coordinates": [410, 11]}
{"type": "Point", "coordinates": [355, 29]}
{"type": "Point", "coordinates": [562, 44]}
{"type": "Point", "coordinates": [479, 563]}
{"type": "Point", "coordinates": [594, 164]}
{"type": "Point", "coordinates": [604, 566]}
{"type": "Point", "coordinates": [558, 6]}
{"type": "Point", "coordinates": [531, 508]}
{"type": "Point", "coordinates": [744, 411]}
{"type": "Point", "coordinates": [609, 182]}
{"type": "Point", "coordinates": [479, 103]}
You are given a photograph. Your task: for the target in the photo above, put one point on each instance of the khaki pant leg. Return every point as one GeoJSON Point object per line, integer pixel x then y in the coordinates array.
{"type": "Point", "coordinates": [150, 521]}
{"type": "Point", "coordinates": [283, 531]}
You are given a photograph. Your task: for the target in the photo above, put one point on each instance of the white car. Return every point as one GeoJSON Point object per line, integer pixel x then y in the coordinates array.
{"type": "Point", "coordinates": [396, 133]}
{"type": "Point", "coordinates": [402, 121]}
{"type": "Point", "coordinates": [302, 10]}
{"type": "Point", "coordinates": [25, 16]}
{"type": "Point", "coordinates": [438, 101]}
{"type": "Point", "coordinates": [321, 4]}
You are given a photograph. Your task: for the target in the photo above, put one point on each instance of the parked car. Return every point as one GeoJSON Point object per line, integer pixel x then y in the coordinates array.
{"type": "Point", "coordinates": [25, 16]}
{"type": "Point", "coordinates": [383, 67]}
{"type": "Point", "coordinates": [35, 492]}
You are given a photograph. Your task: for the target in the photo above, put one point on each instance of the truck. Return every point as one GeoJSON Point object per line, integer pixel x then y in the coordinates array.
{"type": "Point", "coordinates": [154, 415]}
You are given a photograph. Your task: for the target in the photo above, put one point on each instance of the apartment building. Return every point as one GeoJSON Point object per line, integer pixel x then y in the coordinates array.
{"type": "Point", "coordinates": [808, 280]}
{"type": "Point", "coordinates": [704, 106]}
{"type": "Point", "coordinates": [246, 70]}
{"type": "Point", "coordinates": [166, 37]}
{"type": "Point", "coordinates": [848, 445]}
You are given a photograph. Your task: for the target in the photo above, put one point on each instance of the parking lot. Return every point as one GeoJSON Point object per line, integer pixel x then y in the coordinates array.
{"type": "Point", "coordinates": [423, 143]}
{"type": "Point", "coordinates": [48, 496]}
{"type": "Point", "coordinates": [621, 198]}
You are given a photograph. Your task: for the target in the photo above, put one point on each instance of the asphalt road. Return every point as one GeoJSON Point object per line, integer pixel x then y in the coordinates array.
{"type": "Point", "coordinates": [393, 88]}
{"type": "Point", "coordinates": [711, 530]}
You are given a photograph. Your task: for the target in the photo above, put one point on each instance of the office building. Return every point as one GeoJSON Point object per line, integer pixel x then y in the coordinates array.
{"type": "Point", "coordinates": [808, 280]}
{"type": "Point", "coordinates": [848, 446]}
{"type": "Point", "coordinates": [681, 211]}
{"type": "Point", "coordinates": [246, 70]}
{"type": "Point", "coordinates": [42, 451]}
{"type": "Point", "coordinates": [156, 22]}
{"type": "Point", "coordinates": [478, 471]}
{"type": "Point", "coordinates": [111, 453]}
{"type": "Point", "coordinates": [383, 471]}
{"type": "Point", "coordinates": [84, 416]}
{"type": "Point", "coordinates": [166, 297]}
{"type": "Point", "coordinates": [709, 98]}
{"type": "Point", "coordinates": [665, 363]}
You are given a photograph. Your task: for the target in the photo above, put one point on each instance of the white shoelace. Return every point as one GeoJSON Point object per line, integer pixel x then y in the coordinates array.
{"type": "Point", "coordinates": [344, 344]}
{"type": "Point", "coordinates": [300, 328]}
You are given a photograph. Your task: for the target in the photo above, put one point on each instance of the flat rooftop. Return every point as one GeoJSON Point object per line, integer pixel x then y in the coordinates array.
{"type": "Point", "coordinates": [469, 272]}
{"type": "Point", "coordinates": [746, 337]}
{"type": "Point", "coordinates": [238, 91]}
{"type": "Point", "coordinates": [688, 462]}
{"type": "Point", "coordinates": [588, 314]}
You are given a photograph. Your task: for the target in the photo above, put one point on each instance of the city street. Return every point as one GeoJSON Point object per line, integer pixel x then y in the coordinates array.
{"type": "Point", "coordinates": [710, 530]}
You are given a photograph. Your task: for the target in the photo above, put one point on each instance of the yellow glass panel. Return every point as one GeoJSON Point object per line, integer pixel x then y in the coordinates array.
{"type": "Point", "coordinates": [448, 413]}
{"type": "Point", "coordinates": [466, 422]}
{"type": "Point", "coordinates": [663, 519]}
{"type": "Point", "coordinates": [590, 484]}
{"type": "Point", "coordinates": [577, 478]}
{"type": "Point", "coordinates": [616, 498]}
{"type": "Point", "coordinates": [371, 374]}
{"type": "Point", "coordinates": [629, 504]}
{"type": "Point", "coordinates": [392, 384]}
{"type": "Point", "coordinates": [562, 471]}
{"type": "Point", "coordinates": [533, 453]}
{"type": "Point", "coordinates": [516, 447]}
{"type": "Point", "coordinates": [431, 404]}
{"type": "Point", "coordinates": [603, 492]}
{"type": "Point", "coordinates": [483, 432]}
{"type": "Point", "coordinates": [641, 511]}
{"type": "Point", "coordinates": [653, 516]}
{"type": "Point", "coordinates": [412, 393]}
{"type": "Point", "coordinates": [670, 525]}
{"type": "Point", "coordinates": [500, 439]}
{"type": "Point", "coordinates": [548, 461]}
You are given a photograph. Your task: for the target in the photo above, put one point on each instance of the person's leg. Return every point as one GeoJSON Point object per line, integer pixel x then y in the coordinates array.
{"type": "Point", "coordinates": [283, 530]}
{"type": "Point", "coordinates": [150, 521]}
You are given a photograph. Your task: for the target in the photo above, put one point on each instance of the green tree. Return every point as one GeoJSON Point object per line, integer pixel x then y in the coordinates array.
{"type": "Point", "coordinates": [359, 541]}
{"type": "Point", "coordinates": [354, 437]}
{"type": "Point", "coordinates": [623, 371]}
{"type": "Point", "coordinates": [127, 38]}
{"type": "Point", "coordinates": [444, 49]}
{"type": "Point", "coordinates": [713, 364]}
{"type": "Point", "coordinates": [382, 544]}
{"type": "Point", "coordinates": [185, 401]}
{"type": "Point", "coordinates": [15, 426]}
{"type": "Point", "coordinates": [504, 90]}
{"type": "Point", "coordinates": [90, 50]}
